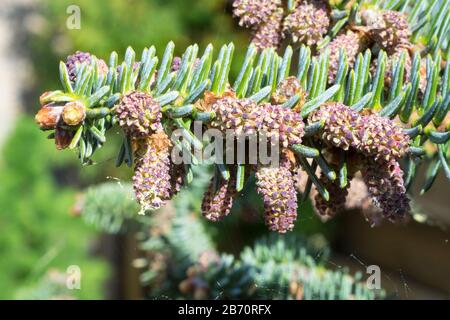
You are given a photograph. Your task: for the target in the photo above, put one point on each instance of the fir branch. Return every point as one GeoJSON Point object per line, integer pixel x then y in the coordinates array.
{"type": "Point", "coordinates": [96, 93]}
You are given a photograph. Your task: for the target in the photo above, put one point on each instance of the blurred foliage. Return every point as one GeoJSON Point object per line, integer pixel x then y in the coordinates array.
{"type": "Point", "coordinates": [118, 210]}
{"type": "Point", "coordinates": [51, 286]}
{"type": "Point", "coordinates": [179, 258]}
{"type": "Point", "coordinates": [37, 231]}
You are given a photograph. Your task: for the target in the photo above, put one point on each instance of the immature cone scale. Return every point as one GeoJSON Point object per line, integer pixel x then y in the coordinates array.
{"type": "Point", "coordinates": [268, 35]}
{"type": "Point", "coordinates": [283, 123]}
{"type": "Point", "coordinates": [385, 184]}
{"type": "Point", "coordinates": [252, 13]}
{"type": "Point", "coordinates": [369, 134]}
{"type": "Point", "coordinates": [80, 57]}
{"type": "Point", "coordinates": [381, 138]}
{"type": "Point", "coordinates": [389, 29]}
{"type": "Point", "coordinates": [352, 43]}
{"type": "Point", "coordinates": [217, 204]}
{"type": "Point", "coordinates": [246, 117]}
{"type": "Point", "coordinates": [276, 186]}
{"type": "Point", "coordinates": [308, 22]}
{"type": "Point", "coordinates": [139, 114]}
{"type": "Point", "coordinates": [241, 115]}
{"type": "Point", "coordinates": [341, 123]}
{"type": "Point", "coordinates": [151, 180]}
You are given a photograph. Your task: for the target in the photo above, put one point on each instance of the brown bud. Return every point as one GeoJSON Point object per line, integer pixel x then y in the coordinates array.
{"type": "Point", "coordinates": [211, 98]}
{"type": "Point", "coordinates": [48, 116]}
{"type": "Point", "coordinates": [74, 113]}
{"type": "Point", "coordinates": [63, 138]}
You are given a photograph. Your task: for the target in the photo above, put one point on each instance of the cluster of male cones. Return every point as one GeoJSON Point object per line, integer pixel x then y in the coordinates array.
{"type": "Point", "coordinates": [309, 22]}
{"type": "Point", "coordinates": [372, 145]}
{"type": "Point", "coordinates": [362, 145]}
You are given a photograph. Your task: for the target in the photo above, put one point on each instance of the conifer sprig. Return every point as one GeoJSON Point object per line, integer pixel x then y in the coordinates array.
{"type": "Point", "coordinates": [183, 91]}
